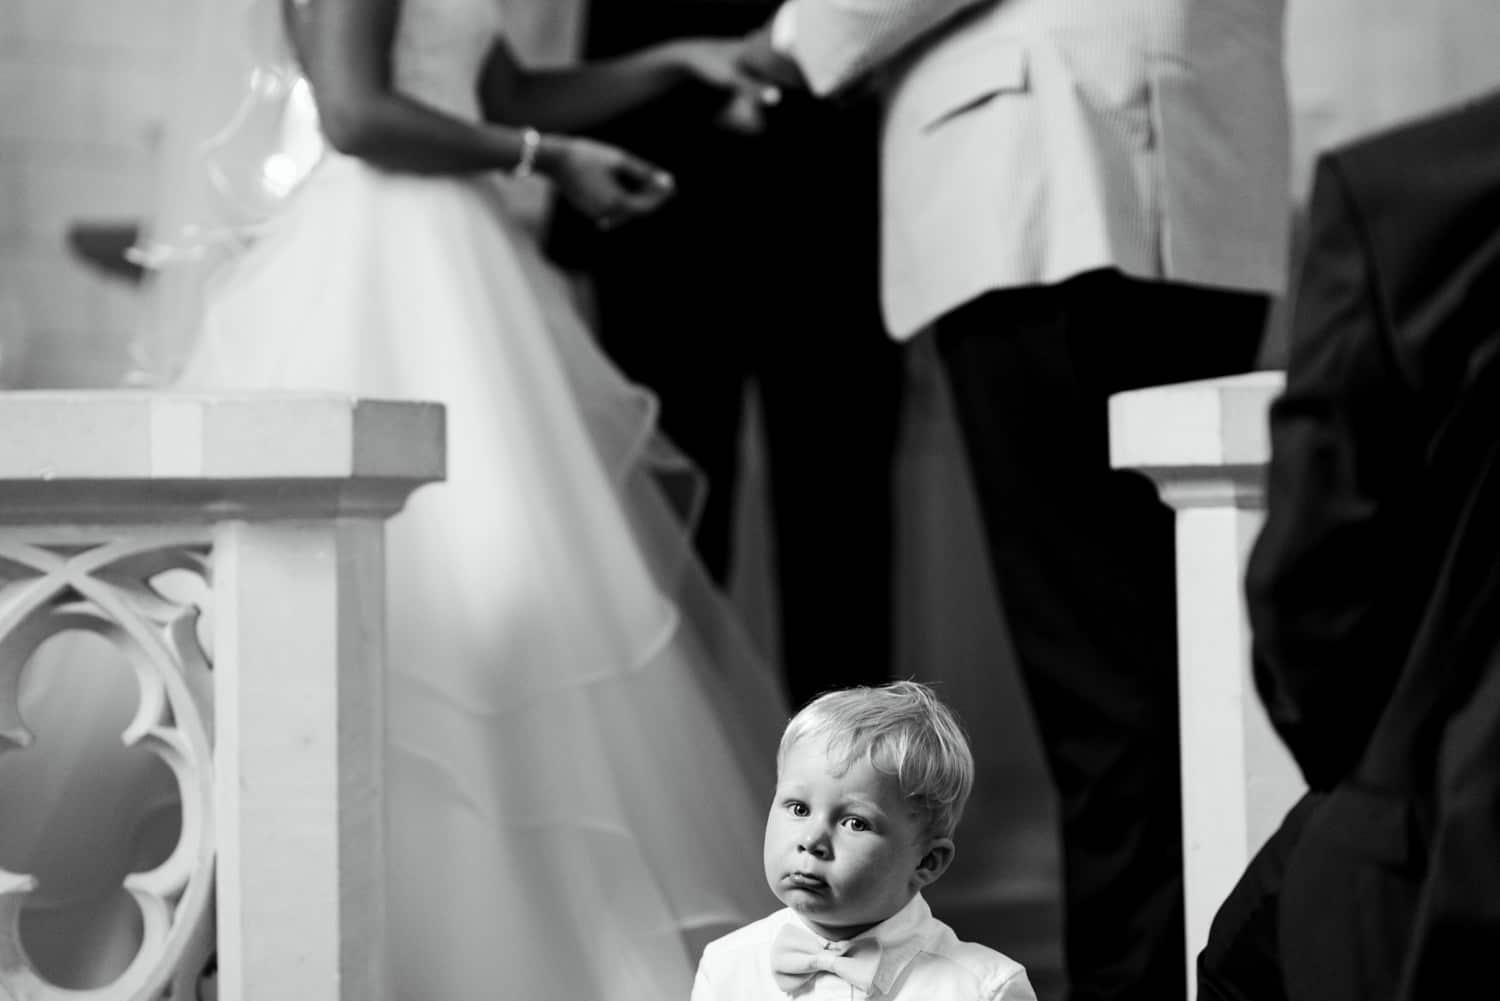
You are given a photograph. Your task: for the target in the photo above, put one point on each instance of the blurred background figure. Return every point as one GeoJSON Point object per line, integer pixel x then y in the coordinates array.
{"type": "Point", "coordinates": [1374, 587]}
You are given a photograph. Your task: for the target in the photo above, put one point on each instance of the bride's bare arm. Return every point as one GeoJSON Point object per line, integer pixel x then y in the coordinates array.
{"type": "Point", "coordinates": [344, 47]}
{"type": "Point", "coordinates": [579, 97]}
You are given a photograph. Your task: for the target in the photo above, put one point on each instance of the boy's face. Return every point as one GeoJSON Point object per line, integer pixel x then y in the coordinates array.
{"type": "Point", "coordinates": [845, 851]}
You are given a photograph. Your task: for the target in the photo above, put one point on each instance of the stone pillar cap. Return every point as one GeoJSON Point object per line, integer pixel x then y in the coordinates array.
{"type": "Point", "coordinates": [1209, 423]}
{"type": "Point", "coordinates": [66, 455]}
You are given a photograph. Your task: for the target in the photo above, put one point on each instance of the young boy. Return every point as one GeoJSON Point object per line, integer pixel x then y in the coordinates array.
{"type": "Point", "coordinates": [870, 785]}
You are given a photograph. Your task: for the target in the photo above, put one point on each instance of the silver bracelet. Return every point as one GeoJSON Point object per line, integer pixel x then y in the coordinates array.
{"type": "Point", "coordinates": [531, 143]}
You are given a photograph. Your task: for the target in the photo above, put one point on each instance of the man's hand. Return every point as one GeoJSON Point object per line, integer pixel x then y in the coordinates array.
{"type": "Point", "coordinates": [717, 63]}
{"type": "Point", "coordinates": [758, 58]}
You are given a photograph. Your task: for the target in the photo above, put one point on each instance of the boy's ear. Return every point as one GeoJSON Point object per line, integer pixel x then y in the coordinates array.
{"type": "Point", "coordinates": [934, 862]}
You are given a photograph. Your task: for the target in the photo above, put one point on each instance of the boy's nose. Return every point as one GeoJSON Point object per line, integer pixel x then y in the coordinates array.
{"type": "Point", "coordinates": [815, 845]}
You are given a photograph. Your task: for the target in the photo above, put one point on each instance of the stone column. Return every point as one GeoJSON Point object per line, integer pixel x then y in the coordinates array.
{"type": "Point", "coordinates": [1205, 445]}
{"type": "Point", "coordinates": [264, 696]}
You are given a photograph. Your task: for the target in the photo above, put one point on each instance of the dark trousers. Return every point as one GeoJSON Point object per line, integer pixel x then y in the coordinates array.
{"type": "Point", "coordinates": [1084, 560]}
{"type": "Point", "coordinates": [829, 389]}
{"type": "Point", "coordinates": [762, 273]}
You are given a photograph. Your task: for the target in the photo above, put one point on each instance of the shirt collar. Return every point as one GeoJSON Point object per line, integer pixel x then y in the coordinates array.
{"type": "Point", "coordinates": [901, 937]}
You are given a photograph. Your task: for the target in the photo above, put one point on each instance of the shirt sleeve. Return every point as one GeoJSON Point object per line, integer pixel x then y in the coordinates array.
{"type": "Point", "coordinates": [1010, 985]}
{"type": "Point", "coordinates": [784, 30]}
{"type": "Point", "coordinates": [839, 42]}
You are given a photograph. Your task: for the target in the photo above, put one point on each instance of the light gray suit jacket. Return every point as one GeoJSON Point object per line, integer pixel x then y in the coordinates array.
{"type": "Point", "coordinates": [1027, 141]}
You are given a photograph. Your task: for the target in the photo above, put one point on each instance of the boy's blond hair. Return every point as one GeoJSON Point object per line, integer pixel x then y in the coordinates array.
{"type": "Point", "coordinates": [904, 731]}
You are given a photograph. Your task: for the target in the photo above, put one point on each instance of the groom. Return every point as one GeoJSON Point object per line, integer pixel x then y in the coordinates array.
{"type": "Point", "coordinates": [1078, 198]}
{"type": "Point", "coordinates": [761, 273]}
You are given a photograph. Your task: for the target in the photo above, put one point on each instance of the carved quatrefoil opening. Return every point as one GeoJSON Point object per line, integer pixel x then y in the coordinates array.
{"type": "Point", "coordinates": [93, 811]}
{"type": "Point", "coordinates": [107, 639]}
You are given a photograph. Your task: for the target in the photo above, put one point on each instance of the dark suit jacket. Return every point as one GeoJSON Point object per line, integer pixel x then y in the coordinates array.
{"type": "Point", "coordinates": [1374, 587]}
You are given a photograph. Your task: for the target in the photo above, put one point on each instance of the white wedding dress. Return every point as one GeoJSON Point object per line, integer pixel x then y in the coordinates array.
{"type": "Point", "coordinates": [581, 739]}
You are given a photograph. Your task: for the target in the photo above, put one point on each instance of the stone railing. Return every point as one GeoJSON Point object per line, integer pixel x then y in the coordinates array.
{"type": "Point", "coordinates": [1205, 445]}
{"type": "Point", "coordinates": [261, 689]}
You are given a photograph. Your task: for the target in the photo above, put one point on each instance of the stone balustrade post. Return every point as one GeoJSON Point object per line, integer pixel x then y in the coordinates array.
{"type": "Point", "coordinates": [1205, 445]}
{"type": "Point", "coordinates": [264, 698]}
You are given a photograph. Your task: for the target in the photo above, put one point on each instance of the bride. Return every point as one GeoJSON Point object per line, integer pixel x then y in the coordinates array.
{"type": "Point", "coordinates": [580, 738]}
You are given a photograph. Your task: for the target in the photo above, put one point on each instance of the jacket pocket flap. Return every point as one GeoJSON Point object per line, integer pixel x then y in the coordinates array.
{"type": "Point", "coordinates": [953, 82]}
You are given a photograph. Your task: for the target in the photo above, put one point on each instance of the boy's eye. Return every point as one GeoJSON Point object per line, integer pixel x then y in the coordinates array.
{"type": "Point", "coordinates": [856, 824]}
{"type": "Point", "coordinates": [797, 809]}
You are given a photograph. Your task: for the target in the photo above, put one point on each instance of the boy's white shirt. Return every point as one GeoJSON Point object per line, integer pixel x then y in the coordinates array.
{"type": "Point", "coordinates": [921, 960]}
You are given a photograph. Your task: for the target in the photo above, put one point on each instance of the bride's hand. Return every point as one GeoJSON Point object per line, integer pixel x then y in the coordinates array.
{"type": "Point", "coordinates": [604, 182]}
{"type": "Point", "coordinates": [717, 62]}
